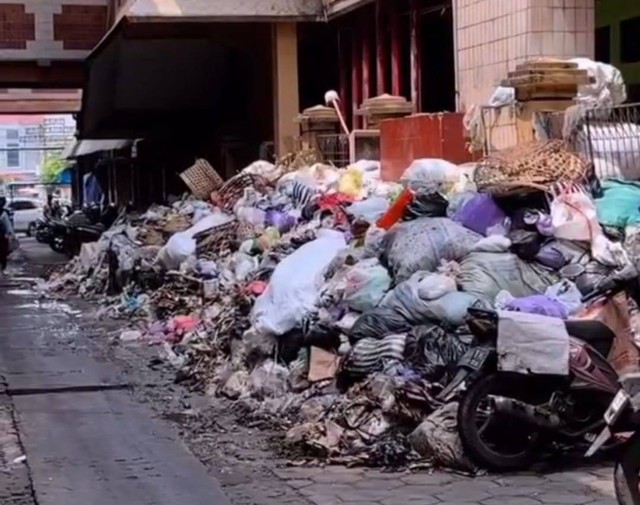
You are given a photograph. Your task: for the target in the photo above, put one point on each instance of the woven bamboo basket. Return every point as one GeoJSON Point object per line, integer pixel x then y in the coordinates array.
{"type": "Point", "coordinates": [530, 167]}
{"type": "Point", "coordinates": [202, 179]}
{"type": "Point", "coordinates": [214, 242]}
{"type": "Point", "coordinates": [233, 189]}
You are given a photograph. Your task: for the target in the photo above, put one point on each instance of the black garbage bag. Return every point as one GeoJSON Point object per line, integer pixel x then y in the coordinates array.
{"type": "Point", "coordinates": [426, 203]}
{"type": "Point", "coordinates": [378, 324]}
{"type": "Point", "coordinates": [433, 352]}
{"type": "Point", "coordinates": [525, 244]}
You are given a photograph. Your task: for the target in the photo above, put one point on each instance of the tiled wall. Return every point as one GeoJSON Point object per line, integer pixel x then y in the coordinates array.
{"type": "Point", "coordinates": [493, 36]}
{"type": "Point", "coordinates": [50, 29]}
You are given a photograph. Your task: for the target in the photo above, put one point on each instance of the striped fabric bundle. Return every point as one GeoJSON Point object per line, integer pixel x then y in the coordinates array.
{"type": "Point", "coordinates": [370, 354]}
{"type": "Point", "coordinates": [300, 193]}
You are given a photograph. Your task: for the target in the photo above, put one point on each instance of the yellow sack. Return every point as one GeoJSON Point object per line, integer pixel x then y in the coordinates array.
{"type": "Point", "coordinates": [351, 183]}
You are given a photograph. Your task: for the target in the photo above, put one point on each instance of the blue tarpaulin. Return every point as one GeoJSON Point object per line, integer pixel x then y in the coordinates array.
{"type": "Point", "coordinates": [65, 176]}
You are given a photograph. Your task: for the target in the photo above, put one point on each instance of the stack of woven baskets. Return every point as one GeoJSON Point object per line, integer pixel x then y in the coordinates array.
{"type": "Point", "coordinates": [202, 179]}
{"type": "Point", "coordinates": [536, 166]}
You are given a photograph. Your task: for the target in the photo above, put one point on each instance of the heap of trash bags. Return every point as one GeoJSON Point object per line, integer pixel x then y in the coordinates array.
{"type": "Point", "coordinates": [332, 303]}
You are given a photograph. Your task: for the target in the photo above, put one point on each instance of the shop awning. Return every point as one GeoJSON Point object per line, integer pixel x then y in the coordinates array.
{"type": "Point", "coordinates": [84, 147]}
{"type": "Point", "coordinates": [225, 10]}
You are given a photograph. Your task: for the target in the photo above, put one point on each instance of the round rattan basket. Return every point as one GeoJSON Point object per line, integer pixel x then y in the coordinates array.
{"type": "Point", "coordinates": [535, 166]}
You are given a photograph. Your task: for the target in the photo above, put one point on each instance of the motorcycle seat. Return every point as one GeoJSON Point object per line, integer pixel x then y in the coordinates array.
{"type": "Point", "coordinates": [595, 333]}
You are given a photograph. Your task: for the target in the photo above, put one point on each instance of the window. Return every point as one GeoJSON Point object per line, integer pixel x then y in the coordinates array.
{"type": "Point", "coordinates": [13, 155]}
{"type": "Point", "coordinates": [13, 134]}
{"type": "Point", "coordinates": [629, 47]}
{"type": "Point", "coordinates": [603, 44]}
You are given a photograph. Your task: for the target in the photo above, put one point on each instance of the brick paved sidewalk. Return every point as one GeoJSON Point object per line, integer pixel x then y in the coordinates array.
{"type": "Point", "coordinates": [335, 486]}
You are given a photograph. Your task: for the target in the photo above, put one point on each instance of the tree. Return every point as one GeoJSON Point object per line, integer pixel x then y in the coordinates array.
{"type": "Point", "coordinates": [52, 167]}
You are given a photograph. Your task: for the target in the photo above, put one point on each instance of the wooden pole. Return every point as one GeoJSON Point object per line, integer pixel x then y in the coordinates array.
{"type": "Point", "coordinates": [382, 57]}
{"type": "Point", "coordinates": [416, 71]}
{"type": "Point", "coordinates": [396, 51]}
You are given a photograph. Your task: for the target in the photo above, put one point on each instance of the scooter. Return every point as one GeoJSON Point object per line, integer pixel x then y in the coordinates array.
{"type": "Point", "coordinates": [86, 226]}
{"type": "Point", "coordinates": [622, 418]}
{"type": "Point", "coordinates": [504, 419]}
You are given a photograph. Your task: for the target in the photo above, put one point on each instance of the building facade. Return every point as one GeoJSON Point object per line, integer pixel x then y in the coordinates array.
{"type": "Point", "coordinates": [26, 140]}
{"type": "Point", "coordinates": [443, 55]}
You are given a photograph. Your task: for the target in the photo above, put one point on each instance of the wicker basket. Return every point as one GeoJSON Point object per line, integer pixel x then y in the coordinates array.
{"type": "Point", "coordinates": [234, 188]}
{"type": "Point", "coordinates": [529, 167]}
{"type": "Point", "coordinates": [202, 179]}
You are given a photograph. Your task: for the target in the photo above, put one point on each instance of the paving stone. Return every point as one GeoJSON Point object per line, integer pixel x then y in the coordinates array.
{"type": "Point", "coordinates": [521, 480]}
{"type": "Point", "coordinates": [438, 479]}
{"type": "Point", "coordinates": [355, 495]}
{"type": "Point", "coordinates": [324, 500]}
{"type": "Point", "coordinates": [511, 500]}
{"type": "Point", "coordinates": [296, 473]}
{"type": "Point", "coordinates": [464, 494]}
{"type": "Point", "coordinates": [338, 478]}
{"type": "Point", "coordinates": [517, 491]}
{"type": "Point", "coordinates": [299, 483]}
{"type": "Point", "coordinates": [602, 487]}
{"type": "Point", "coordinates": [325, 489]}
{"type": "Point", "coordinates": [380, 475]}
{"type": "Point", "coordinates": [383, 484]}
{"type": "Point", "coordinates": [567, 499]}
{"type": "Point", "coordinates": [566, 476]}
{"type": "Point", "coordinates": [403, 500]}
{"type": "Point", "coordinates": [415, 492]}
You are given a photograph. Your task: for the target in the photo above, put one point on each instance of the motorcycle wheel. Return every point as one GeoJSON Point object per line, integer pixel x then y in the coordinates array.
{"type": "Point", "coordinates": [492, 442]}
{"type": "Point", "coordinates": [626, 478]}
{"type": "Point", "coordinates": [57, 244]}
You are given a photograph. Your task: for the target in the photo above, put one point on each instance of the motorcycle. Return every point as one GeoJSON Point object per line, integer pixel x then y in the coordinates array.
{"type": "Point", "coordinates": [504, 419]}
{"type": "Point", "coordinates": [623, 417]}
{"type": "Point", "coordinates": [42, 231]}
{"type": "Point", "coordinates": [82, 227]}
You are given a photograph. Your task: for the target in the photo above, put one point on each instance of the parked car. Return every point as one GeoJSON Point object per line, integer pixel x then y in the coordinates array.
{"type": "Point", "coordinates": [25, 211]}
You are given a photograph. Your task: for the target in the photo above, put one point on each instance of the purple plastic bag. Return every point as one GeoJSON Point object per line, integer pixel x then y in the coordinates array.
{"type": "Point", "coordinates": [282, 221]}
{"type": "Point", "coordinates": [480, 214]}
{"type": "Point", "coordinates": [538, 304]}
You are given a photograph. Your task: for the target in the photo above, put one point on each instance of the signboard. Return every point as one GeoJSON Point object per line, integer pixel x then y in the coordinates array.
{"type": "Point", "coordinates": [53, 132]}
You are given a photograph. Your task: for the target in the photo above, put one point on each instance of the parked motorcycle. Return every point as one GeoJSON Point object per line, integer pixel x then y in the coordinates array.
{"type": "Point", "coordinates": [504, 418]}
{"type": "Point", "coordinates": [42, 231]}
{"type": "Point", "coordinates": [86, 227]}
{"type": "Point", "coordinates": [82, 226]}
{"type": "Point", "coordinates": [621, 418]}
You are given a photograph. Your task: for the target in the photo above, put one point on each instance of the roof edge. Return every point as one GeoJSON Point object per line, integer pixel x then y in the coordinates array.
{"type": "Point", "coordinates": [336, 8]}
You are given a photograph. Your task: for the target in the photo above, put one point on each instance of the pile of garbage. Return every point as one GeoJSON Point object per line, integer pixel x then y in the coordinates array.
{"type": "Point", "coordinates": [333, 303]}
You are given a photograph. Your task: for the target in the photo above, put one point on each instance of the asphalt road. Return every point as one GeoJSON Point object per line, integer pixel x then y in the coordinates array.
{"type": "Point", "coordinates": [86, 440]}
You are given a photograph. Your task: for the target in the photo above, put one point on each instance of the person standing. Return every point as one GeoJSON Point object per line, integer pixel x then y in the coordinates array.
{"type": "Point", "coordinates": [6, 234]}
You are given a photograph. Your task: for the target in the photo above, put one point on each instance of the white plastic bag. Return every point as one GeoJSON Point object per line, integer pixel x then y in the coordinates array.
{"type": "Point", "coordinates": [295, 284]}
{"type": "Point", "coordinates": [574, 217]}
{"type": "Point", "coordinates": [244, 266]}
{"type": "Point", "coordinates": [502, 96]}
{"type": "Point", "coordinates": [607, 88]}
{"type": "Point", "coordinates": [366, 284]}
{"type": "Point", "coordinates": [435, 286]}
{"type": "Point", "coordinates": [567, 293]}
{"type": "Point", "coordinates": [432, 172]}
{"type": "Point", "coordinates": [182, 245]}
{"type": "Point", "coordinates": [369, 210]}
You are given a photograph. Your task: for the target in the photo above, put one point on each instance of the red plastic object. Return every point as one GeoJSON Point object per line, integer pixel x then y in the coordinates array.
{"type": "Point", "coordinates": [396, 211]}
{"type": "Point", "coordinates": [421, 136]}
